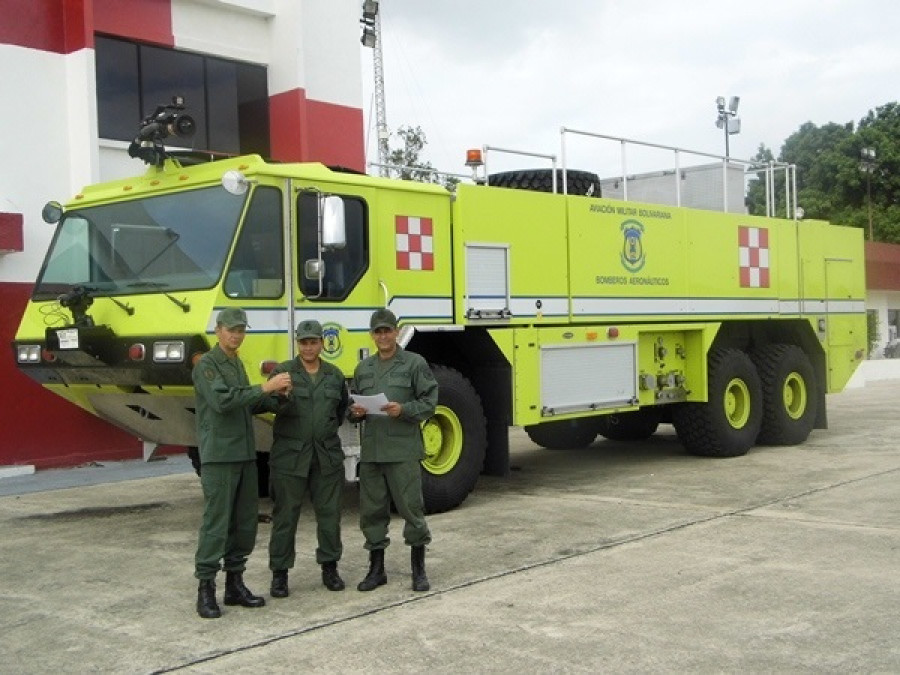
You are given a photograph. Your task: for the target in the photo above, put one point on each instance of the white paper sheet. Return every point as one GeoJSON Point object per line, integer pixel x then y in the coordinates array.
{"type": "Point", "coordinates": [372, 404]}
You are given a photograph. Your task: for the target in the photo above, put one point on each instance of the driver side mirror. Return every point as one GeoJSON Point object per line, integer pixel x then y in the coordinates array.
{"type": "Point", "coordinates": [334, 230]}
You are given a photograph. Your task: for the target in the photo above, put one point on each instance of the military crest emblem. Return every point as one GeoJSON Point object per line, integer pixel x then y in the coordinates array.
{"type": "Point", "coordinates": [331, 340]}
{"type": "Point", "coordinates": [633, 257]}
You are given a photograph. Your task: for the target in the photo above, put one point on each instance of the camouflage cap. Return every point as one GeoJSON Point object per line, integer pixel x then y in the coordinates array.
{"type": "Point", "coordinates": [382, 318]}
{"type": "Point", "coordinates": [308, 329]}
{"type": "Point", "coordinates": [232, 316]}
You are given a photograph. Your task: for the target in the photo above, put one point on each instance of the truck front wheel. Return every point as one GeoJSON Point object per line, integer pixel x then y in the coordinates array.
{"type": "Point", "coordinates": [455, 440]}
{"type": "Point", "coordinates": [728, 423]}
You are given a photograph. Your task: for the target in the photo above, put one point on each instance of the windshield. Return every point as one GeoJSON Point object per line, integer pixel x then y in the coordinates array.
{"type": "Point", "coordinates": [171, 242]}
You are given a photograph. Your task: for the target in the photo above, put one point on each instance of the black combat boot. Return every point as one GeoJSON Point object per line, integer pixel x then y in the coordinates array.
{"type": "Point", "coordinates": [417, 560]}
{"type": "Point", "coordinates": [238, 594]}
{"type": "Point", "coordinates": [207, 607]}
{"type": "Point", "coordinates": [330, 576]}
{"type": "Point", "coordinates": [279, 587]}
{"type": "Point", "coordinates": [376, 576]}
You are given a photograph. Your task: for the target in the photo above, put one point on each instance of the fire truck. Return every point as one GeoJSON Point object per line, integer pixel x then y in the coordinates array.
{"type": "Point", "coordinates": [563, 312]}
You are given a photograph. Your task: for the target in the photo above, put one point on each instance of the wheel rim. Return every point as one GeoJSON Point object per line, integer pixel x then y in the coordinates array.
{"type": "Point", "coordinates": [737, 403]}
{"type": "Point", "coordinates": [443, 437]}
{"type": "Point", "coordinates": [794, 396]}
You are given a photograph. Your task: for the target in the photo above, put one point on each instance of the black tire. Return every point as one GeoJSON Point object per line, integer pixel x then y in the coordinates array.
{"type": "Point", "coordinates": [193, 453]}
{"type": "Point", "coordinates": [541, 180]}
{"type": "Point", "coordinates": [637, 425]}
{"type": "Point", "coordinates": [790, 400]}
{"type": "Point", "coordinates": [563, 434]}
{"type": "Point", "coordinates": [455, 443]}
{"type": "Point", "coordinates": [728, 423]}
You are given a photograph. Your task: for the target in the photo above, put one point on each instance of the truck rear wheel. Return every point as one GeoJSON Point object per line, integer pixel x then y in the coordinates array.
{"type": "Point", "coordinates": [728, 423]}
{"type": "Point", "coordinates": [637, 425]}
{"type": "Point", "coordinates": [563, 434]}
{"type": "Point", "coordinates": [789, 394]}
{"type": "Point", "coordinates": [541, 180]}
{"type": "Point", "coordinates": [455, 440]}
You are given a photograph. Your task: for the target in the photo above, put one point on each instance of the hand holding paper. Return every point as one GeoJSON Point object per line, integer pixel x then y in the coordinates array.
{"type": "Point", "coordinates": [372, 404]}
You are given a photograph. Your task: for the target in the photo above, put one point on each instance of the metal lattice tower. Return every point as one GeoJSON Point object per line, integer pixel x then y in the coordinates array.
{"type": "Point", "coordinates": [381, 127]}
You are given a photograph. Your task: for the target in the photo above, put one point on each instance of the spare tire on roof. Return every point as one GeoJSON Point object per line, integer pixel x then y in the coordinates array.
{"type": "Point", "coordinates": [541, 180]}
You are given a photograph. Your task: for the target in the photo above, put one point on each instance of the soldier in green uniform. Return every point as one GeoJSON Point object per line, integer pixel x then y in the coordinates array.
{"type": "Point", "coordinates": [225, 403]}
{"type": "Point", "coordinates": [307, 457]}
{"type": "Point", "coordinates": [392, 448]}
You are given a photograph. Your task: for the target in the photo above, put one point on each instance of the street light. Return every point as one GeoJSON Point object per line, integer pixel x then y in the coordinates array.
{"type": "Point", "coordinates": [728, 119]}
{"type": "Point", "coordinates": [867, 165]}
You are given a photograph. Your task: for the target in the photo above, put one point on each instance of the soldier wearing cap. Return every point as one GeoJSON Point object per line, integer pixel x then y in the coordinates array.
{"type": "Point", "coordinates": [225, 402]}
{"type": "Point", "coordinates": [307, 458]}
{"type": "Point", "coordinates": [392, 448]}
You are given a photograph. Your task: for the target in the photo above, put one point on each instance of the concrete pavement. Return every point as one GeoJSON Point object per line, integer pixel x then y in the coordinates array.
{"type": "Point", "coordinates": [619, 557]}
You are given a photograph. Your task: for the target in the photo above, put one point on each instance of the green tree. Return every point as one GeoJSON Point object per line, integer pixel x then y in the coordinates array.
{"type": "Point", "coordinates": [408, 157]}
{"type": "Point", "coordinates": [830, 184]}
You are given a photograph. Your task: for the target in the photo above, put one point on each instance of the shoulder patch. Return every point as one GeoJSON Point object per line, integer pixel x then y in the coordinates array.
{"type": "Point", "coordinates": [209, 374]}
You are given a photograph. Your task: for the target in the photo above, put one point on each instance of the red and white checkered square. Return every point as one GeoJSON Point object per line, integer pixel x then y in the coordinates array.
{"type": "Point", "coordinates": [415, 243]}
{"type": "Point", "coordinates": [753, 256]}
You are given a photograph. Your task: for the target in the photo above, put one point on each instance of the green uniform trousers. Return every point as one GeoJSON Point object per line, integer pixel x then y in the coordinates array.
{"type": "Point", "coordinates": [228, 531]}
{"type": "Point", "coordinates": [287, 492]}
{"type": "Point", "coordinates": [379, 483]}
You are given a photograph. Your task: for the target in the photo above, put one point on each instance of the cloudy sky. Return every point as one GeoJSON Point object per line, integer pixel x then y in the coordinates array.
{"type": "Point", "coordinates": [510, 73]}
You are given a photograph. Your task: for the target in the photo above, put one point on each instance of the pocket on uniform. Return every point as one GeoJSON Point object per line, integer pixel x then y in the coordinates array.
{"type": "Point", "coordinates": [400, 380]}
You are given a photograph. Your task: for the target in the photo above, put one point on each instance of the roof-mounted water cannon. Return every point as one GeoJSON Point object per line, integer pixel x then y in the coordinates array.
{"type": "Point", "coordinates": [166, 120]}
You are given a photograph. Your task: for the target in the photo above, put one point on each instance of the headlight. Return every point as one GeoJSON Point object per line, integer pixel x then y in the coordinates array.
{"type": "Point", "coordinates": [168, 351]}
{"type": "Point", "coordinates": [28, 354]}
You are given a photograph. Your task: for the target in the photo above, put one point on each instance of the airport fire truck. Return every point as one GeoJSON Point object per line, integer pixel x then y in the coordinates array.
{"type": "Point", "coordinates": [570, 315]}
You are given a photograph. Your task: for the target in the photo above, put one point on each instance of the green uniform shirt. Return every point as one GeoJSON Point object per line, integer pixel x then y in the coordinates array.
{"type": "Point", "coordinates": [406, 379]}
{"type": "Point", "coordinates": [225, 403]}
{"type": "Point", "coordinates": [307, 422]}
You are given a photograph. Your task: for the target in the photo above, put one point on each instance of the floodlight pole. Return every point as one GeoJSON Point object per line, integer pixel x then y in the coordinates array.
{"type": "Point", "coordinates": [380, 111]}
{"type": "Point", "coordinates": [725, 116]}
{"type": "Point", "coordinates": [372, 38]}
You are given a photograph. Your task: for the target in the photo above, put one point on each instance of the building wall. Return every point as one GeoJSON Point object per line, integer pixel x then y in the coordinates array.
{"type": "Point", "coordinates": [51, 147]}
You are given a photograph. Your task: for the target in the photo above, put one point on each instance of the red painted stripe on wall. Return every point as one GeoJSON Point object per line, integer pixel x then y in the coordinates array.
{"type": "Point", "coordinates": [11, 233]}
{"type": "Point", "coordinates": [335, 134]}
{"type": "Point", "coordinates": [882, 266]}
{"type": "Point", "coordinates": [287, 126]}
{"type": "Point", "coordinates": [303, 130]}
{"type": "Point", "coordinates": [144, 20]}
{"type": "Point", "coordinates": [60, 26]}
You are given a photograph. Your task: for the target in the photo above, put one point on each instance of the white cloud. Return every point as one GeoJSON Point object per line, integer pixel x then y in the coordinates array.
{"type": "Point", "coordinates": [510, 74]}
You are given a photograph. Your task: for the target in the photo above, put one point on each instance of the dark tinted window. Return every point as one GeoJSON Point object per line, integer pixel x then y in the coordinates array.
{"type": "Point", "coordinates": [165, 73]}
{"type": "Point", "coordinates": [228, 100]}
{"type": "Point", "coordinates": [119, 112]}
{"type": "Point", "coordinates": [257, 266]}
{"type": "Point", "coordinates": [343, 267]}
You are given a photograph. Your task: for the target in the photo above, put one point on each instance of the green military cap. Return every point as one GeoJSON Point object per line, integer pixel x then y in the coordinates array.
{"type": "Point", "coordinates": [382, 318]}
{"type": "Point", "coordinates": [232, 316]}
{"type": "Point", "coordinates": [308, 329]}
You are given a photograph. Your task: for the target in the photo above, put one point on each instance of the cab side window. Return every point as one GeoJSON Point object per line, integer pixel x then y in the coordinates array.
{"type": "Point", "coordinates": [343, 268]}
{"type": "Point", "coordinates": [257, 266]}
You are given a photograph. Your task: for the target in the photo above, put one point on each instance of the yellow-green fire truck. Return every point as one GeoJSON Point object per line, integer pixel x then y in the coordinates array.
{"type": "Point", "coordinates": [570, 315]}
